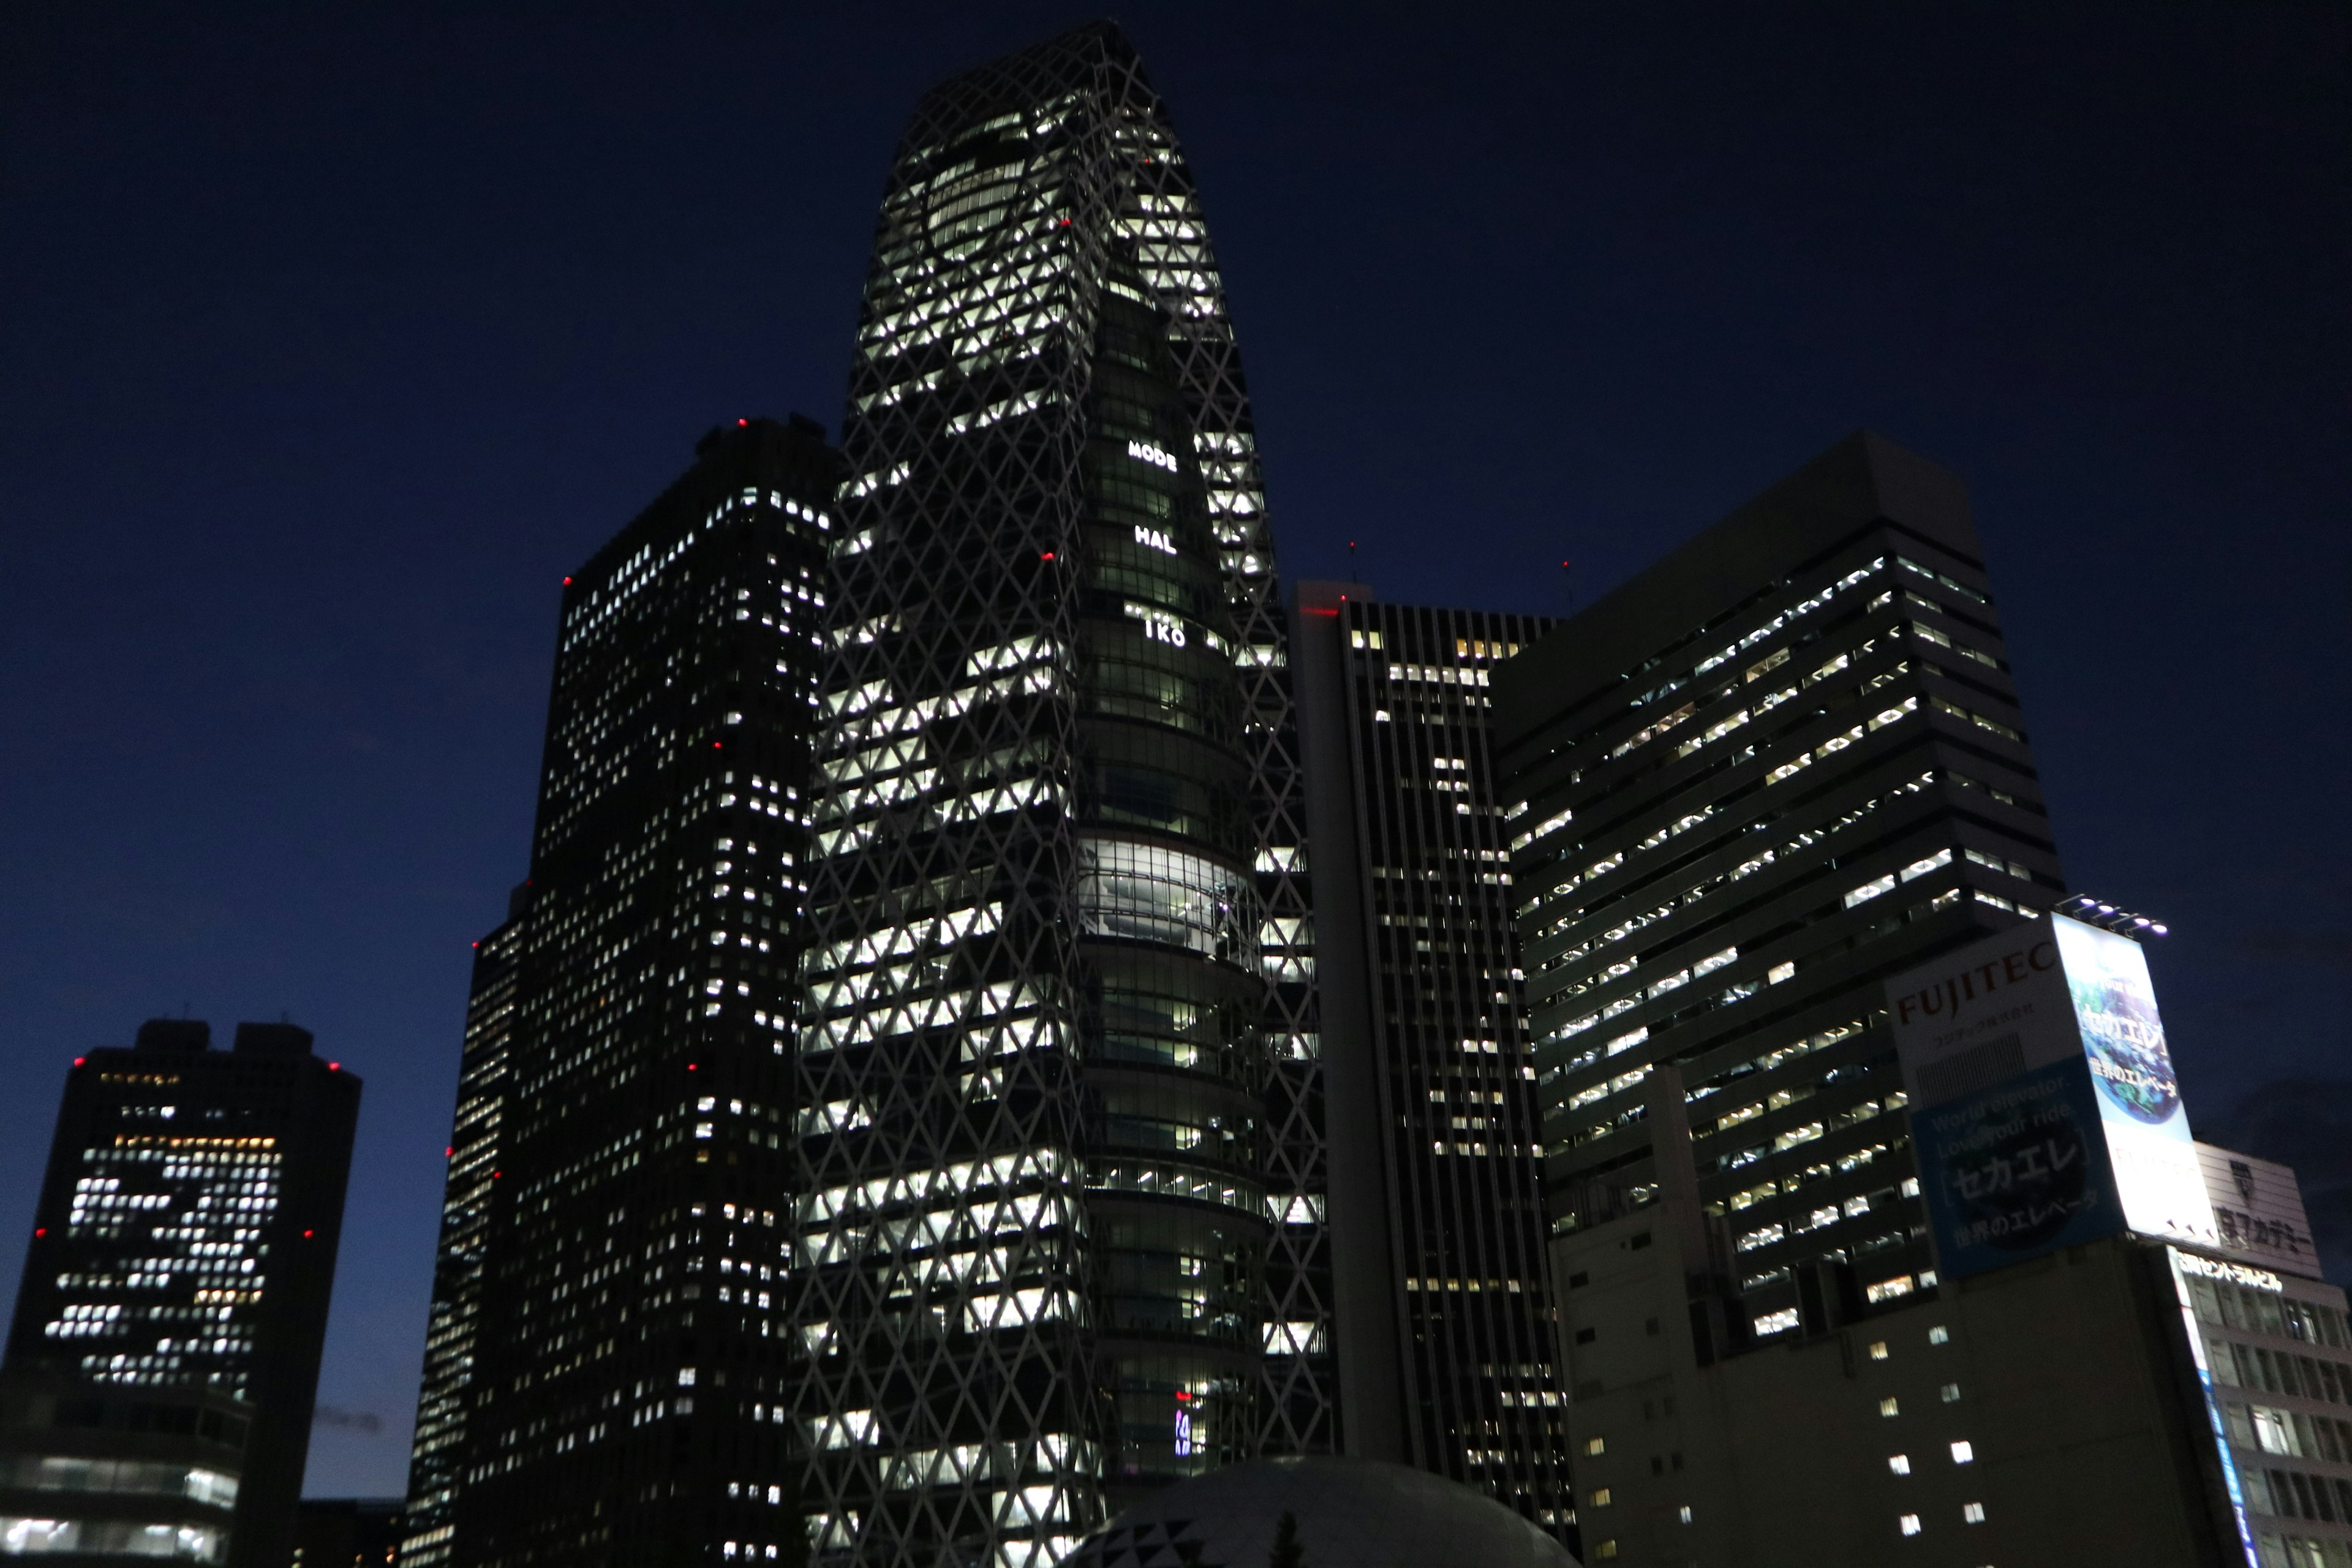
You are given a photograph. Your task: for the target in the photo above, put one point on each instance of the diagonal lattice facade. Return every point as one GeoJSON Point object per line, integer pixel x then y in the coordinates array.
{"type": "Point", "coordinates": [1061, 1228]}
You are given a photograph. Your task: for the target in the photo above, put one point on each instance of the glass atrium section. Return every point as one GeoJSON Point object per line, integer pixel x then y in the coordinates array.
{"type": "Point", "coordinates": [1062, 1228]}
{"type": "Point", "coordinates": [625, 1338]}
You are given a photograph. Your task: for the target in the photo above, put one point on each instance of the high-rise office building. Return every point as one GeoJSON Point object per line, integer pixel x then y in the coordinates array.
{"type": "Point", "coordinates": [1063, 1231]}
{"type": "Point", "coordinates": [164, 1356]}
{"type": "Point", "coordinates": [1447, 1349]}
{"type": "Point", "coordinates": [1778, 765]}
{"type": "Point", "coordinates": [605, 1383]}
{"type": "Point", "coordinates": [436, 1463]}
{"type": "Point", "coordinates": [1846, 1133]}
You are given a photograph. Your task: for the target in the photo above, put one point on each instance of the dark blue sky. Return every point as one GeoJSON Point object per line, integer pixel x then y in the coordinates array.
{"type": "Point", "coordinates": [333, 337]}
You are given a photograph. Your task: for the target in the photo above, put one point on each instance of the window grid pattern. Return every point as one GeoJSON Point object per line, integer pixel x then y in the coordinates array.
{"type": "Point", "coordinates": [181, 1302]}
{"type": "Point", "coordinates": [1482, 1395]}
{"type": "Point", "coordinates": [1722, 849]}
{"type": "Point", "coordinates": [2281, 1356]}
{"type": "Point", "coordinates": [178, 1278]}
{"type": "Point", "coordinates": [631, 1108]}
{"type": "Point", "coordinates": [437, 1452]}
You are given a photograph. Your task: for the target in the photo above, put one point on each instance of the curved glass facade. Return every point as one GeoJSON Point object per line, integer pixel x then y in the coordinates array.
{"type": "Point", "coordinates": [1057, 1055]}
{"type": "Point", "coordinates": [1165, 891]}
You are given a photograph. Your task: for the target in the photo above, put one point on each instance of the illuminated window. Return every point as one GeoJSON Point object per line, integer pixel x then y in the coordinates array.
{"type": "Point", "coordinates": [1878, 1349]}
{"type": "Point", "coordinates": [1899, 1463]}
{"type": "Point", "coordinates": [1964, 1452]}
{"type": "Point", "coordinates": [1887, 1406]}
{"type": "Point", "coordinates": [1909, 1523]}
{"type": "Point", "coordinates": [1972, 1512]}
{"type": "Point", "coordinates": [1940, 1335]}
{"type": "Point", "coordinates": [1596, 1445]}
{"type": "Point", "coordinates": [1951, 1393]}
{"type": "Point", "coordinates": [1142, 890]}
{"type": "Point", "coordinates": [1600, 1498]}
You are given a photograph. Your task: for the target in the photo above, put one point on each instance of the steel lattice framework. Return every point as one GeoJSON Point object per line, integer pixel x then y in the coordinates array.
{"type": "Point", "coordinates": [1062, 1226]}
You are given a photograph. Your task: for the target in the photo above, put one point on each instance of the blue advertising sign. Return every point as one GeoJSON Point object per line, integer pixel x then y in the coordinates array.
{"type": "Point", "coordinates": [2016, 1170]}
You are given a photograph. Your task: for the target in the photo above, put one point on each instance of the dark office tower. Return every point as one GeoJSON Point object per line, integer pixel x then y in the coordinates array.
{"type": "Point", "coordinates": [436, 1463]}
{"type": "Point", "coordinates": [164, 1357]}
{"type": "Point", "coordinates": [347, 1532]}
{"type": "Point", "coordinates": [617, 1349]}
{"type": "Point", "coordinates": [1778, 766]}
{"type": "Point", "coordinates": [1446, 1346]}
{"type": "Point", "coordinates": [1063, 1230]}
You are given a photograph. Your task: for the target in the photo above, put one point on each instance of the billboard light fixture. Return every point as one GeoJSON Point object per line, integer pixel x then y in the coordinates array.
{"type": "Point", "coordinates": [2111, 917]}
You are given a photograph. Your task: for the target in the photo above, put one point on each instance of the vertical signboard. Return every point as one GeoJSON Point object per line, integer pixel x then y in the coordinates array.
{"type": "Point", "coordinates": [2045, 1112]}
{"type": "Point", "coordinates": [2157, 1173]}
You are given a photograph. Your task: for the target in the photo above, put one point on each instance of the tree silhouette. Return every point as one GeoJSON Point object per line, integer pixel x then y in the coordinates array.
{"type": "Point", "coordinates": [1287, 1553]}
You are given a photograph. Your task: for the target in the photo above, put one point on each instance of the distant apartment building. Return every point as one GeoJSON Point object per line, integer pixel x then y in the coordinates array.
{"type": "Point", "coordinates": [163, 1360]}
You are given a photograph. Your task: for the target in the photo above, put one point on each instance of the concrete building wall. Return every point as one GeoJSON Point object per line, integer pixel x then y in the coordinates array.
{"type": "Point", "coordinates": [1843, 1447]}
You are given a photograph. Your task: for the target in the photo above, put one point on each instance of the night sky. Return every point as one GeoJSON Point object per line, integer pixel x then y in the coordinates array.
{"type": "Point", "coordinates": [332, 337]}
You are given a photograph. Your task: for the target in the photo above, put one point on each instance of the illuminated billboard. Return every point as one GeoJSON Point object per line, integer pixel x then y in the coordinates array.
{"type": "Point", "coordinates": [2044, 1110]}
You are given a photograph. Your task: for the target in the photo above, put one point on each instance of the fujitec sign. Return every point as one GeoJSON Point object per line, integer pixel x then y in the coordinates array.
{"type": "Point", "coordinates": [2044, 1110]}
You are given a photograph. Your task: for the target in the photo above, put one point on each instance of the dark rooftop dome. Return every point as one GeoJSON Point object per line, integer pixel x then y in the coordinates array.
{"type": "Point", "coordinates": [1355, 1512]}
